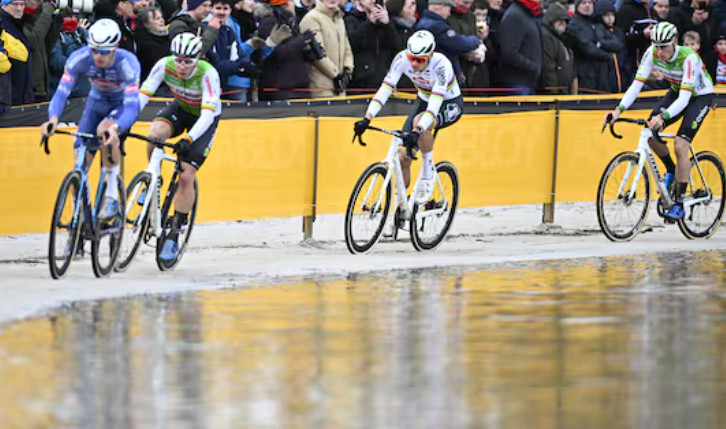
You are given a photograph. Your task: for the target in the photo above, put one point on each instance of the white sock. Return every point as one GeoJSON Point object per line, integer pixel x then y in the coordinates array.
{"type": "Point", "coordinates": [112, 188]}
{"type": "Point", "coordinates": [427, 168]}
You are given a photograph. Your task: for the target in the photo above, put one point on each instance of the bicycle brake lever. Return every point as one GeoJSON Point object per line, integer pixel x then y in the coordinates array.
{"type": "Point", "coordinates": [44, 144]}
{"type": "Point", "coordinates": [608, 118]}
{"type": "Point", "coordinates": [360, 140]}
{"type": "Point", "coordinates": [109, 151]}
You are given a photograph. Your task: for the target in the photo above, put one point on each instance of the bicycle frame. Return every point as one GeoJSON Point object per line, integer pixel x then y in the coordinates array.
{"type": "Point", "coordinates": [645, 154]}
{"type": "Point", "coordinates": [405, 204]}
{"type": "Point", "coordinates": [82, 200]}
{"type": "Point", "coordinates": [154, 193]}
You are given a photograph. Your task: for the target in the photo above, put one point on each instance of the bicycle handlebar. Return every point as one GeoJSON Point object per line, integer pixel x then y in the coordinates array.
{"type": "Point", "coordinates": [44, 141]}
{"type": "Point", "coordinates": [641, 122]}
{"type": "Point", "coordinates": [396, 133]}
{"type": "Point", "coordinates": [156, 142]}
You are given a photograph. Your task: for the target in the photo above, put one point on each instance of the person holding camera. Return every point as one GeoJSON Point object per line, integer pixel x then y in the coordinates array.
{"type": "Point", "coordinates": [330, 75]}
{"type": "Point", "coordinates": [72, 38]}
{"type": "Point", "coordinates": [374, 41]}
{"type": "Point", "coordinates": [284, 74]}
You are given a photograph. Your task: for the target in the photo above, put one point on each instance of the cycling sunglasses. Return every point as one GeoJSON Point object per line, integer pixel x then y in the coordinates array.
{"type": "Point", "coordinates": [102, 51]}
{"type": "Point", "coordinates": [416, 59]}
{"type": "Point", "coordinates": [185, 61]}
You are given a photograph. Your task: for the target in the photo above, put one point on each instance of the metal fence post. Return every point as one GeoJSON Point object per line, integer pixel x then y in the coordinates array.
{"type": "Point", "coordinates": [308, 220]}
{"type": "Point", "coordinates": [548, 209]}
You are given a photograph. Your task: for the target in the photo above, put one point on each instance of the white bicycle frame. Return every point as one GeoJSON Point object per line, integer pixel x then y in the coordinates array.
{"type": "Point", "coordinates": [405, 204]}
{"type": "Point", "coordinates": [645, 153]}
{"type": "Point", "coordinates": [154, 192]}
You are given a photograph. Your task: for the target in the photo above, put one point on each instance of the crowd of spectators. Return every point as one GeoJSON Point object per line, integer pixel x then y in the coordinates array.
{"type": "Point", "coordinates": [284, 49]}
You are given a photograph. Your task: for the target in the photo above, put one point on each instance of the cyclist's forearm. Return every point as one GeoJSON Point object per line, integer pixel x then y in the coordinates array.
{"type": "Point", "coordinates": [684, 97]}
{"type": "Point", "coordinates": [379, 100]}
{"type": "Point", "coordinates": [59, 98]}
{"type": "Point", "coordinates": [131, 109]}
{"type": "Point", "coordinates": [206, 118]}
{"type": "Point", "coordinates": [631, 94]}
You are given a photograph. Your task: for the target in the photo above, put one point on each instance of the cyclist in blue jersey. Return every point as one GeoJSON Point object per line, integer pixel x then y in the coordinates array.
{"type": "Point", "coordinates": [112, 105]}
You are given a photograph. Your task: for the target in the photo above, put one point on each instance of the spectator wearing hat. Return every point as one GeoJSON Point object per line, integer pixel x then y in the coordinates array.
{"type": "Point", "coordinates": [520, 38]}
{"type": "Point", "coordinates": [11, 50]}
{"type": "Point", "coordinates": [590, 56]}
{"type": "Point", "coordinates": [190, 20]}
{"type": "Point", "coordinates": [330, 75]}
{"type": "Point", "coordinates": [612, 40]}
{"type": "Point", "coordinates": [284, 73]}
{"type": "Point", "coordinates": [21, 72]}
{"type": "Point", "coordinates": [715, 60]}
{"type": "Point", "coordinates": [121, 12]}
{"type": "Point", "coordinates": [374, 41]}
{"type": "Point", "coordinates": [558, 61]}
{"type": "Point", "coordinates": [448, 41]}
{"type": "Point", "coordinates": [41, 28]}
{"type": "Point", "coordinates": [403, 15]}
{"type": "Point", "coordinates": [152, 39]}
{"type": "Point", "coordinates": [73, 37]}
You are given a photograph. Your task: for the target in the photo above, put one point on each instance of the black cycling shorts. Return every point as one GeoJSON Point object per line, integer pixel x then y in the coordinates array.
{"type": "Point", "coordinates": [449, 113]}
{"type": "Point", "coordinates": [181, 121]}
{"type": "Point", "coordinates": [693, 115]}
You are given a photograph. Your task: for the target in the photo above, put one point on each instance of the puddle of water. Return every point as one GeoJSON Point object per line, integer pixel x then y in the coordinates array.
{"type": "Point", "coordinates": [600, 343]}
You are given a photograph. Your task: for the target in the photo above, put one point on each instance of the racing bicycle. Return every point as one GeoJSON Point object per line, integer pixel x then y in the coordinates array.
{"type": "Point", "coordinates": [623, 195]}
{"type": "Point", "coordinates": [75, 219]}
{"type": "Point", "coordinates": [146, 216]}
{"type": "Point", "coordinates": [370, 203]}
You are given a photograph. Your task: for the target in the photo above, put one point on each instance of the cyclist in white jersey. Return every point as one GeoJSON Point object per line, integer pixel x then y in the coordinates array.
{"type": "Point", "coordinates": [438, 105]}
{"type": "Point", "coordinates": [196, 109]}
{"type": "Point", "coordinates": [690, 98]}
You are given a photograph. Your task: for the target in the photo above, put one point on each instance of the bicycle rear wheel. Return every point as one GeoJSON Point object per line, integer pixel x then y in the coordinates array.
{"type": "Point", "coordinates": [167, 219]}
{"type": "Point", "coordinates": [703, 219]}
{"type": "Point", "coordinates": [368, 209]}
{"type": "Point", "coordinates": [108, 234]}
{"type": "Point", "coordinates": [431, 221]}
{"type": "Point", "coordinates": [137, 220]}
{"type": "Point", "coordinates": [621, 214]}
{"type": "Point", "coordinates": [64, 232]}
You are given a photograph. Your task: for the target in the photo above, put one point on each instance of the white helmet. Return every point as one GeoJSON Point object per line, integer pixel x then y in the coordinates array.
{"type": "Point", "coordinates": [421, 44]}
{"type": "Point", "coordinates": [186, 45]}
{"type": "Point", "coordinates": [104, 34]}
{"type": "Point", "coordinates": [664, 33]}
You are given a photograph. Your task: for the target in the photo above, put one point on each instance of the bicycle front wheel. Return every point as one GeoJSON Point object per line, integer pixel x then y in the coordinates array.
{"type": "Point", "coordinates": [64, 232]}
{"type": "Point", "coordinates": [137, 219]}
{"type": "Point", "coordinates": [431, 221]}
{"type": "Point", "coordinates": [107, 236]}
{"type": "Point", "coordinates": [621, 211]}
{"type": "Point", "coordinates": [704, 217]}
{"type": "Point", "coordinates": [368, 209]}
{"type": "Point", "coordinates": [167, 219]}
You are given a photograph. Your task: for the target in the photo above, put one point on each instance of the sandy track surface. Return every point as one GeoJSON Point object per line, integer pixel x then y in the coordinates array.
{"type": "Point", "coordinates": [247, 253]}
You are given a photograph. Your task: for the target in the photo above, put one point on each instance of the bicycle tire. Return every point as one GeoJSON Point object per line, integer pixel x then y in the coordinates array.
{"type": "Point", "coordinates": [353, 240]}
{"type": "Point", "coordinates": [706, 221]}
{"type": "Point", "coordinates": [100, 268]}
{"type": "Point", "coordinates": [65, 195]}
{"type": "Point", "coordinates": [419, 224]}
{"type": "Point", "coordinates": [166, 222]}
{"type": "Point", "coordinates": [607, 222]}
{"type": "Point", "coordinates": [136, 223]}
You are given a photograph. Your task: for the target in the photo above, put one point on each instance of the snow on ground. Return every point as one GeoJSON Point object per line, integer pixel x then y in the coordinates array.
{"type": "Point", "coordinates": [247, 253]}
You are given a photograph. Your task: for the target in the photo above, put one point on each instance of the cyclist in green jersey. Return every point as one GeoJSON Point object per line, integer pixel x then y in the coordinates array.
{"type": "Point", "coordinates": [690, 98]}
{"type": "Point", "coordinates": [196, 110]}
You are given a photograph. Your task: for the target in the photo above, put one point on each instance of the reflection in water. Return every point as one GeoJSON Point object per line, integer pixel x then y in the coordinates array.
{"type": "Point", "coordinates": [615, 342]}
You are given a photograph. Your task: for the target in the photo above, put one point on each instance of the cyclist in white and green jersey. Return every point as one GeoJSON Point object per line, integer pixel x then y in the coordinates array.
{"type": "Point", "coordinates": [690, 98]}
{"type": "Point", "coordinates": [196, 110]}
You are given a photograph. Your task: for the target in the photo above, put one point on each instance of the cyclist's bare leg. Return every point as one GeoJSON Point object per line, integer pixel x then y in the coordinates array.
{"type": "Point", "coordinates": [659, 148]}
{"type": "Point", "coordinates": [405, 165]}
{"type": "Point", "coordinates": [160, 130]}
{"type": "Point", "coordinates": [184, 200]}
{"type": "Point", "coordinates": [683, 162]}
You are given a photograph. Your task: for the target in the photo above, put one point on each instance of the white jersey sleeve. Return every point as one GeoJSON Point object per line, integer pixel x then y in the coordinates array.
{"type": "Point", "coordinates": [389, 83]}
{"type": "Point", "coordinates": [211, 108]}
{"type": "Point", "coordinates": [152, 83]}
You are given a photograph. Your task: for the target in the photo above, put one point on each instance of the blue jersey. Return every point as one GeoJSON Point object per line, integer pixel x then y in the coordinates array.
{"type": "Point", "coordinates": [117, 84]}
